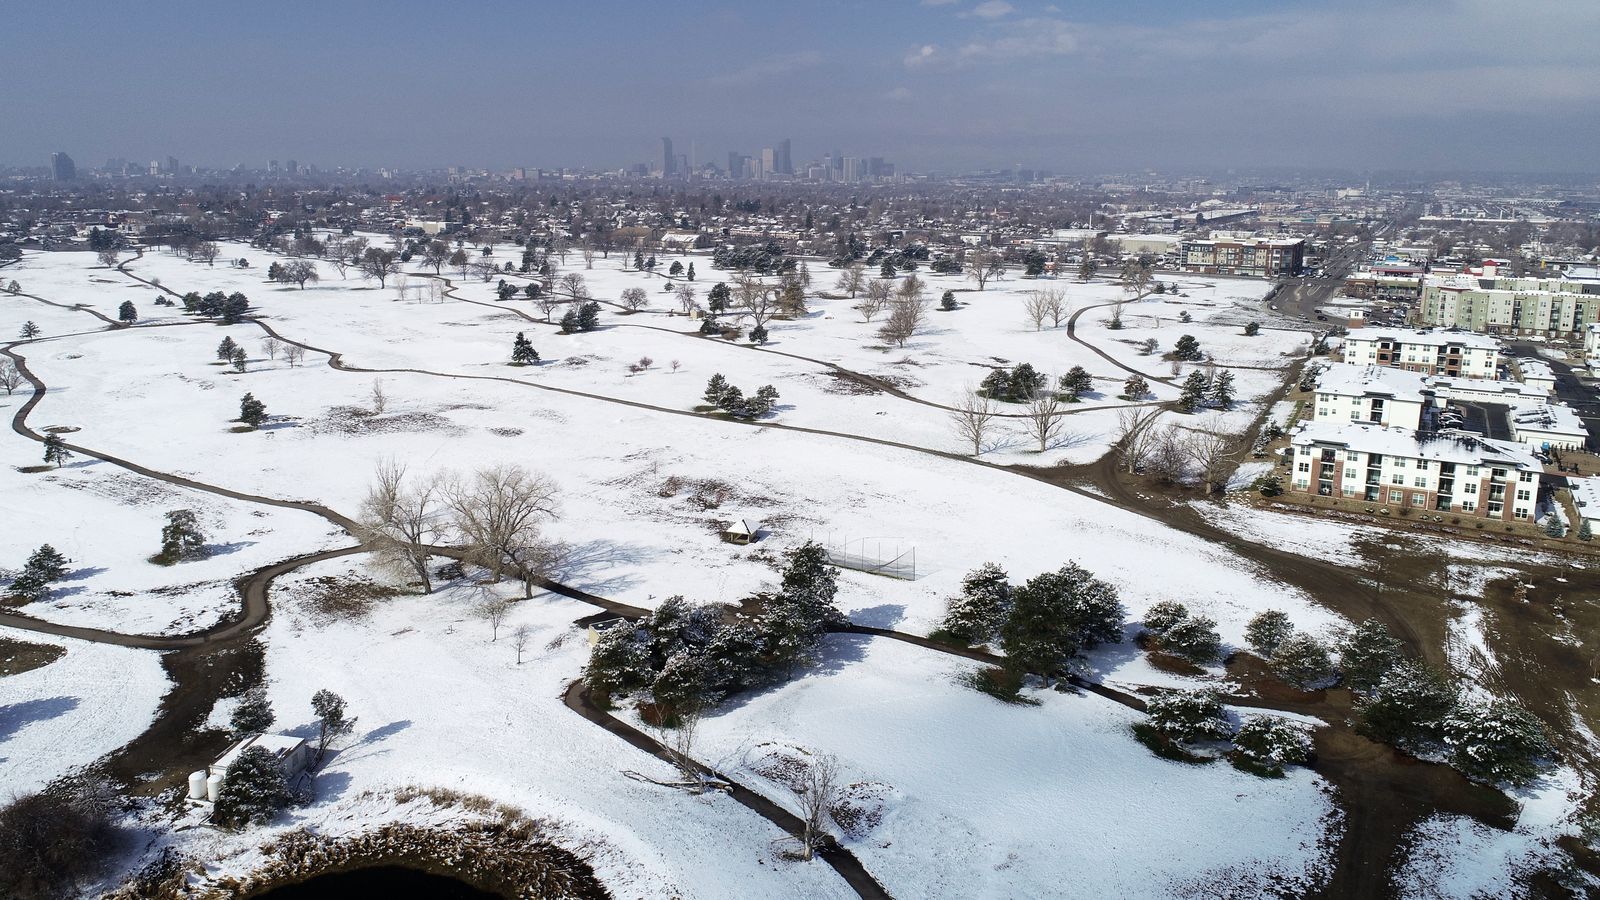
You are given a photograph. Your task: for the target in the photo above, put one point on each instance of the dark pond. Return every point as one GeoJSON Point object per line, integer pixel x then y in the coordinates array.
{"type": "Point", "coordinates": [379, 881]}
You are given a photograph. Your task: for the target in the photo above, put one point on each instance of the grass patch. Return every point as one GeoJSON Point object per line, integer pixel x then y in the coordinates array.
{"type": "Point", "coordinates": [1001, 684]}
{"type": "Point", "coordinates": [241, 429]}
{"type": "Point", "coordinates": [17, 657]}
{"type": "Point", "coordinates": [330, 599]}
{"type": "Point", "coordinates": [1165, 747]}
{"type": "Point", "coordinates": [34, 470]}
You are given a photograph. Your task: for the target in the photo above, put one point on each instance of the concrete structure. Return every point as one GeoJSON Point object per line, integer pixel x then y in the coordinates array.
{"type": "Point", "coordinates": [1450, 353]}
{"type": "Point", "coordinates": [1482, 390]}
{"type": "Point", "coordinates": [1371, 395]}
{"type": "Point", "coordinates": [1152, 244]}
{"type": "Point", "coordinates": [1586, 497]}
{"type": "Point", "coordinates": [1262, 257]}
{"type": "Point", "coordinates": [293, 755]}
{"type": "Point", "coordinates": [1545, 426]}
{"type": "Point", "coordinates": [1398, 468]}
{"type": "Point", "coordinates": [1558, 305]}
{"type": "Point", "coordinates": [1536, 374]}
{"type": "Point", "coordinates": [1386, 283]}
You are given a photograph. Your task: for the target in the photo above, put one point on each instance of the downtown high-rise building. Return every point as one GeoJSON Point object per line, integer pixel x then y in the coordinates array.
{"type": "Point", "coordinates": [669, 162]}
{"type": "Point", "coordinates": [783, 163]}
{"type": "Point", "coordinates": [61, 167]}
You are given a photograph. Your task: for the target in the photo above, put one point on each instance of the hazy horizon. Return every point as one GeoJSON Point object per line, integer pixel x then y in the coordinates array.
{"type": "Point", "coordinates": [928, 84]}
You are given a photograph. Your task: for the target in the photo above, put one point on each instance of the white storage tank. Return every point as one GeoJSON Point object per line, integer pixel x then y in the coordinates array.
{"type": "Point", "coordinates": [213, 787]}
{"type": "Point", "coordinates": [197, 785]}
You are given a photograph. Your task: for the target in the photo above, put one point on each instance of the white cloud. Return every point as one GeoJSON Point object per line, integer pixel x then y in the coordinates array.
{"type": "Point", "coordinates": [899, 94]}
{"type": "Point", "coordinates": [922, 56]}
{"type": "Point", "coordinates": [993, 9]}
{"type": "Point", "coordinates": [780, 64]}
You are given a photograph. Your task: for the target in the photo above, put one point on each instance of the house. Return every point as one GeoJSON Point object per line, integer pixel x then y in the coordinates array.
{"type": "Point", "coordinates": [1371, 394]}
{"type": "Point", "coordinates": [293, 755]}
{"type": "Point", "coordinates": [1452, 353]}
{"type": "Point", "coordinates": [1396, 467]}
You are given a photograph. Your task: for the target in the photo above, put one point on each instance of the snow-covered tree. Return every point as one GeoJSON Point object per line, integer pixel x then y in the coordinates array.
{"type": "Point", "coordinates": [1366, 653]}
{"type": "Point", "coordinates": [1222, 390]}
{"type": "Point", "coordinates": [252, 412]}
{"type": "Point", "coordinates": [1267, 744]}
{"type": "Point", "coordinates": [1266, 630]}
{"type": "Point", "coordinates": [332, 723]}
{"type": "Point", "coordinates": [1188, 716]}
{"type": "Point", "coordinates": [522, 352]}
{"type": "Point", "coordinates": [55, 450]}
{"type": "Point", "coordinates": [1196, 388]}
{"type": "Point", "coordinates": [1194, 638]}
{"type": "Point", "coordinates": [1074, 383]}
{"type": "Point", "coordinates": [253, 789]}
{"type": "Point", "coordinates": [181, 538]}
{"type": "Point", "coordinates": [1408, 706]}
{"type": "Point", "coordinates": [1303, 662]}
{"type": "Point", "coordinates": [29, 330]}
{"type": "Point", "coordinates": [976, 614]}
{"type": "Point", "coordinates": [254, 713]}
{"type": "Point", "coordinates": [796, 617]}
{"type": "Point", "coordinates": [1496, 741]}
{"type": "Point", "coordinates": [1055, 616]}
{"type": "Point", "coordinates": [1163, 615]}
{"type": "Point", "coordinates": [127, 314]}
{"type": "Point", "coordinates": [1135, 388]}
{"type": "Point", "coordinates": [44, 567]}
{"type": "Point", "coordinates": [1187, 349]}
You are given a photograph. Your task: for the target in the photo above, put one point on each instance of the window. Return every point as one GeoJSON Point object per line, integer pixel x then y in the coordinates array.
{"type": "Point", "coordinates": [1419, 499]}
{"type": "Point", "coordinates": [1302, 483]}
{"type": "Point", "coordinates": [1472, 471]}
{"type": "Point", "coordinates": [1524, 495]}
{"type": "Point", "coordinates": [1399, 464]}
{"type": "Point", "coordinates": [1419, 481]}
{"type": "Point", "coordinates": [1470, 487]}
{"type": "Point", "coordinates": [1397, 478]}
{"type": "Point", "coordinates": [1397, 496]}
{"type": "Point", "coordinates": [1350, 474]}
{"type": "Point", "coordinates": [1349, 490]}
{"type": "Point", "coordinates": [1524, 476]}
{"type": "Point", "coordinates": [1303, 467]}
{"type": "Point", "coordinates": [1352, 456]}
{"type": "Point", "coordinates": [1521, 514]}
{"type": "Point", "coordinates": [1305, 451]}
{"type": "Point", "coordinates": [1468, 506]}
{"type": "Point", "coordinates": [1422, 465]}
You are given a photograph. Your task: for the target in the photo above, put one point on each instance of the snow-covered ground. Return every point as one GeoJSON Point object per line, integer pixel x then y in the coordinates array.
{"type": "Point", "coordinates": [60, 717]}
{"type": "Point", "coordinates": [1023, 799]}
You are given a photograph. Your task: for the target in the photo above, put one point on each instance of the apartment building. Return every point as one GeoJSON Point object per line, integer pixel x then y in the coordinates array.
{"type": "Point", "coordinates": [1371, 395]}
{"type": "Point", "coordinates": [1398, 468]}
{"type": "Point", "coordinates": [1388, 284]}
{"type": "Point", "coordinates": [1261, 257]}
{"type": "Point", "coordinates": [1559, 305]}
{"type": "Point", "coordinates": [1452, 353]}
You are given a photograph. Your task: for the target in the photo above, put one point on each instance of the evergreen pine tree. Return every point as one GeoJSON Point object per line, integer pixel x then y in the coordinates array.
{"type": "Point", "coordinates": [239, 359]}
{"type": "Point", "coordinates": [225, 349]}
{"type": "Point", "coordinates": [126, 313]}
{"type": "Point", "coordinates": [1553, 526]}
{"type": "Point", "coordinates": [252, 412]}
{"type": "Point", "coordinates": [570, 323]}
{"type": "Point", "coordinates": [762, 402]}
{"type": "Point", "coordinates": [1252, 329]}
{"type": "Point", "coordinates": [1266, 630]}
{"type": "Point", "coordinates": [715, 388]}
{"type": "Point", "coordinates": [1408, 706]}
{"type": "Point", "coordinates": [181, 538]}
{"type": "Point", "coordinates": [689, 275]}
{"type": "Point", "coordinates": [1496, 741]}
{"type": "Point", "coordinates": [717, 301]}
{"type": "Point", "coordinates": [1584, 532]}
{"type": "Point", "coordinates": [1188, 716]}
{"type": "Point", "coordinates": [975, 615]}
{"type": "Point", "coordinates": [1267, 744]}
{"type": "Point", "coordinates": [1187, 348]}
{"type": "Point", "coordinates": [758, 334]}
{"type": "Point", "coordinates": [1367, 653]}
{"type": "Point", "coordinates": [1302, 661]}
{"type": "Point", "coordinates": [1135, 388]}
{"type": "Point", "coordinates": [887, 269]}
{"type": "Point", "coordinates": [1195, 389]}
{"type": "Point", "coordinates": [1075, 382]}
{"type": "Point", "coordinates": [1194, 638]}
{"type": "Point", "coordinates": [522, 352]}
{"type": "Point", "coordinates": [44, 567]}
{"type": "Point", "coordinates": [55, 450]}
{"type": "Point", "coordinates": [253, 789]}
{"type": "Point", "coordinates": [29, 330]}
{"type": "Point", "coordinates": [1057, 615]}
{"type": "Point", "coordinates": [948, 301]}
{"type": "Point", "coordinates": [796, 617]}
{"type": "Point", "coordinates": [1163, 615]}
{"type": "Point", "coordinates": [1222, 390]}
{"type": "Point", "coordinates": [253, 715]}
{"type": "Point", "coordinates": [589, 316]}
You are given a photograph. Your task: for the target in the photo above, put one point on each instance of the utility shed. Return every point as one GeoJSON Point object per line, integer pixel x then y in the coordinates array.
{"type": "Point", "coordinates": [743, 531]}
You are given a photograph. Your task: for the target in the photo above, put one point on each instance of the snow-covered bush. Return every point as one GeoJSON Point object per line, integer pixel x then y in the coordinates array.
{"type": "Point", "coordinates": [253, 789]}
{"type": "Point", "coordinates": [1303, 662]}
{"type": "Point", "coordinates": [1496, 741]}
{"type": "Point", "coordinates": [975, 615]}
{"type": "Point", "coordinates": [1407, 706]}
{"type": "Point", "coordinates": [1188, 717]}
{"type": "Point", "coordinates": [1266, 744]}
{"type": "Point", "coordinates": [1266, 630]}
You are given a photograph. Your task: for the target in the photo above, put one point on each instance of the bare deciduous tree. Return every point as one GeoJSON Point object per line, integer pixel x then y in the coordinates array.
{"type": "Point", "coordinates": [1044, 418]}
{"type": "Point", "coordinates": [380, 400]}
{"type": "Point", "coordinates": [973, 417]}
{"type": "Point", "coordinates": [269, 346]}
{"type": "Point", "coordinates": [206, 252]}
{"type": "Point", "coordinates": [547, 303]}
{"type": "Point", "coordinates": [588, 256]}
{"type": "Point", "coordinates": [1056, 307]}
{"type": "Point", "coordinates": [498, 511]}
{"type": "Point", "coordinates": [108, 257]}
{"type": "Point", "coordinates": [401, 521]}
{"type": "Point", "coordinates": [819, 792]}
{"type": "Point", "coordinates": [911, 287]}
{"type": "Point", "coordinates": [573, 285]}
{"type": "Point", "coordinates": [755, 299]}
{"type": "Point", "coordinates": [10, 377]}
{"type": "Point", "coordinates": [522, 634]}
{"type": "Point", "coordinates": [1213, 455]}
{"type": "Point", "coordinates": [851, 279]}
{"type": "Point", "coordinates": [635, 299]}
{"type": "Point", "coordinates": [906, 318]}
{"type": "Point", "coordinates": [1036, 307]}
{"type": "Point", "coordinates": [494, 611]}
{"type": "Point", "coordinates": [985, 266]}
{"type": "Point", "coordinates": [685, 296]}
{"type": "Point", "coordinates": [1134, 434]}
{"type": "Point", "coordinates": [293, 354]}
{"type": "Point", "coordinates": [876, 299]}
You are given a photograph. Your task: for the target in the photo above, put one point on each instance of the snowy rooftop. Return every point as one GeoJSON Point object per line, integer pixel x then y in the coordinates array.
{"type": "Point", "coordinates": [1536, 368]}
{"type": "Point", "coordinates": [1427, 337]}
{"type": "Point", "coordinates": [1586, 494]}
{"type": "Point", "coordinates": [1349, 380]}
{"type": "Point", "coordinates": [1549, 419]}
{"type": "Point", "coordinates": [1456, 447]}
{"type": "Point", "coordinates": [279, 745]}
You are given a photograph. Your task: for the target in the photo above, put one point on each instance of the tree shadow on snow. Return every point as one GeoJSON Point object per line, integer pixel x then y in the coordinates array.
{"type": "Point", "coordinates": [230, 547]}
{"type": "Point", "coordinates": [885, 615]}
{"type": "Point", "coordinates": [1109, 657]}
{"type": "Point", "coordinates": [83, 573]}
{"type": "Point", "coordinates": [597, 556]}
{"type": "Point", "coordinates": [838, 651]}
{"type": "Point", "coordinates": [15, 716]}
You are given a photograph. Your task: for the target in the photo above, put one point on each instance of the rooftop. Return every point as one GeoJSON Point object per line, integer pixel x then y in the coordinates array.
{"type": "Point", "coordinates": [1427, 337]}
{"type": "Point", "coordinates": [1349, 380]}
{"type": "Point", "coordinates": [1443, 446]}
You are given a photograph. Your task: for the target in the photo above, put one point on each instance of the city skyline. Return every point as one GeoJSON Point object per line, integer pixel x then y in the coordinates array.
{"type": "Point", "coordinates": [953, 86]}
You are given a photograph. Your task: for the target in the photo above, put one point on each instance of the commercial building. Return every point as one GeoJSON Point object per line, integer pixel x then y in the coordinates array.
{"type": "Point", "coordinates": [1452, 353]}
{"type": "Point", "coordinates": [61, 167]}
{"type": "Point", "coordinates": [1398, 468]}
{"type": "Point", "coordinates": [1386, 284]}
{"type": "Point", "coordinates": [1261, 257]}
{"type": "Point", "coordinates": [1560, 305]}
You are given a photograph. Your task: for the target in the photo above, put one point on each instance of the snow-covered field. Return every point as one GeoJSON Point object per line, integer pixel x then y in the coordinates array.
{"type": "Point", "coordinates": [985, 799]}
{"type": "Point", "coordinates": [60, 717]}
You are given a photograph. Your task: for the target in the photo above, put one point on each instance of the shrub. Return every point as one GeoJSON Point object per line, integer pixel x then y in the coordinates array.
{"type": "Point", "coordinates": [1266, 744]}
{"type": "Point", "coordinates": [51, 840]}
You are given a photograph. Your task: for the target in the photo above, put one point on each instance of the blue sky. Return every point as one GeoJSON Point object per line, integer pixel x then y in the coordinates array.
{"type": "Point", "coordinates": [935, 84]}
